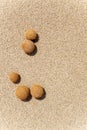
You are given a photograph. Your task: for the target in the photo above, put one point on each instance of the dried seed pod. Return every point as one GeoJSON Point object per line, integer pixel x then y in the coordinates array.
{"type": "Point", "coordinates": [28, 46]}
{"type": "Point", "coordinates": [37, 91]}
{"type": "Point", "coordinates": [14, 77]}
{"type": "Point", "coordinates": [22, 92]}
{"type": "Point", "coordinates": [31, 34]}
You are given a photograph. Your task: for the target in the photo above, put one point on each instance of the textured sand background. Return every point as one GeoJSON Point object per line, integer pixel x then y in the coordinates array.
{"type": "Point", "coordinates": [60, 64]}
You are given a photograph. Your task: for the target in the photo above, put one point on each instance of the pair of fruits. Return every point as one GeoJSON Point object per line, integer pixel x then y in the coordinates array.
{"type": "Point", "coordinates": [28, 45]}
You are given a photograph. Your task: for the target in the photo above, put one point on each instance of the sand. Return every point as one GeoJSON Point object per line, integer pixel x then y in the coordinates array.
{"type": "Point", "coordinates": [59, 65]}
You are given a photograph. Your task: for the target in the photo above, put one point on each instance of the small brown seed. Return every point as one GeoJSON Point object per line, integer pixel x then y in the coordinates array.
{"type": "Point", "coordinates": [22, 92]}
{"type": "Point", "coordinates": [31, 34]}
{"type": "Point", "coordinates": [28, 46]}
{"type": "Point", "coordinates": [14, 77]}
{"type": "Point", "coordinates": [37, 91]}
